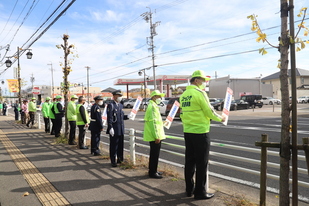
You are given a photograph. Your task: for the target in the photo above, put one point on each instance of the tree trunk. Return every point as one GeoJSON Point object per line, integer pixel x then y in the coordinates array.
{"type": "Point", "coordinates": [284, 199]}
{"type": "Point", "coordinates": [66, 86]}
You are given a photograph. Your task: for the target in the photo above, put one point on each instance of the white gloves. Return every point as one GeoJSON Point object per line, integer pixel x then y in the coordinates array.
{"type": "Point", "coordinates": [111, 132]}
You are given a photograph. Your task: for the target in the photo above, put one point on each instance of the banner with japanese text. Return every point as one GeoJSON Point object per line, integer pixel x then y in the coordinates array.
{"type": "Point", "coordinates": [171, 115]}
{"type": "Point", "coordinates": [135, 108]}
{"type": "Point", "coordinates": [227, 105]}
{"type": "Point", "coordinates": [13, 85]}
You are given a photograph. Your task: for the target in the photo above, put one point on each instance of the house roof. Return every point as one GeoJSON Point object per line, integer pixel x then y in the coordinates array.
{"type": "Point", "coordinates": [299, 72]}
{"type": "Point", "coordinates": [109, 89]}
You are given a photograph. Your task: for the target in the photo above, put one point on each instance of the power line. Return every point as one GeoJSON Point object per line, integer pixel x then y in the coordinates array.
{"type": "Point", "coordinates": [9, 17]}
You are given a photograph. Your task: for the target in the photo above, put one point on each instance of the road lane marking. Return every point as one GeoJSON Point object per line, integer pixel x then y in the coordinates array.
{"type": "Point", "coordinates": [42, 188]}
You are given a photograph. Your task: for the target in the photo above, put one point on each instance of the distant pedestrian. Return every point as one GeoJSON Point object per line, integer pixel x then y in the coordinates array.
{"type": "Point", "coordinates": [96, 125]}
{"type": "Point", "coordinates": [16, 107]}
{"type": "Point", "coordinates": [196, 115]}
{"type": "Point", "coordinates": [59, 114]}
{"type": "Point", "coordinates": [32, 111]}
{"type": "Point", "coordinates": [115, 129]}
{"type": "Point", "coordinates": [5, 107]}
{"type": "Point", "coordinates": [1, 107]}
{"type": "Point", "coordinates": [45, 111]}
{"type": "Point", "coordinates": [82, 121]}
{"type": "Point", "coordinates": [24, 112]}
{"type": "Point", "coordinates": [71, 116]}
{"type": "Point", "coordinates": [154, 132]}
{"type": "Point", "coordinates": [52, 116]}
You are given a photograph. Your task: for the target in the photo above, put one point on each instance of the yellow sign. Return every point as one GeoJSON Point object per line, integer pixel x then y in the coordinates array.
{"type": "Point", "coordinates": [13, 85]}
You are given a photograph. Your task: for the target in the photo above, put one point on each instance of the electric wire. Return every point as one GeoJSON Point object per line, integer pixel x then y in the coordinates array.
{"type": "Point", "coordinates": [9, 17]}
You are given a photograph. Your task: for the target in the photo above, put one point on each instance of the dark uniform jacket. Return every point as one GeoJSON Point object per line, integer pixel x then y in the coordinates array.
{"type": "Point", "coordinates": [96, 123]}
{"type": "Point", "coordinates": [60, 109]}
{"type": "Point", "coordinates": [115, 117]}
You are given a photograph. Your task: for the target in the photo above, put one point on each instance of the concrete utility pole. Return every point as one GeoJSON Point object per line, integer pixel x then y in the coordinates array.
{"type": "Point", "coordinates": [52, 73]}
{"type": "Point", "coordinates": [88, 82]}
{"type": "Point", "coordinates": [148, 18]}
{"type": "Point", "coordinates": [32, 79]}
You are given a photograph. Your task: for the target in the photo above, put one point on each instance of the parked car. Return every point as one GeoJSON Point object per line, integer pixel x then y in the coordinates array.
{"type": "Point", "coordinates": [241, 104]}
{"type": "Point", "coordinates": [212, 99]}
{"type": "Point", "coordinates": [144, 103]}
{"type": "Point", "coordinates": [170, 105]}
{"type": "Point", "coordinates": [254, 100]}
{"type": "Point", "coordinates": [129, 104]}
{"type": "Point", "coordinates": [303, 99]}
{"type": "Point", "coordinates": [162, 107]}
{"type": "Point", "coordinates": [217, 104]}
{"type": "Point", "coordinates": [270, 100]}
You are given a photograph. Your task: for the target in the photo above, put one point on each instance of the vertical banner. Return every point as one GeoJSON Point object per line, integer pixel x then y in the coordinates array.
{"type": "Point", "coordinates": [227, 105]}
{"type": "Point", "coordinates": [169, 119]}
{"type": "Point", "coordinates": [104, 115]}
{"type": "Point", "coordinates": [13, 85]}
{"type": "Point", "coordinates": [135, 108]}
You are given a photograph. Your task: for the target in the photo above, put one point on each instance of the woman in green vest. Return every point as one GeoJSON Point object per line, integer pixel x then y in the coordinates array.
{"type": "Point", "coordinates": [154, 132]}
{"type": "Point", "coordinates": [82, 121]}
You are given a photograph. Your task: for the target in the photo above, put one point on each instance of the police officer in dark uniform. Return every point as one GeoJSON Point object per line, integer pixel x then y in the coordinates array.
{"type": "Point", "coordinates": [96, 125]}
{"type": "Point", "coordinates": [115, 129]}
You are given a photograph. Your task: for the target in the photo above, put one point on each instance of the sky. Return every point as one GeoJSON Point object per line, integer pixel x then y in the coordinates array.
{"type": "Point", "coordinates": [111, 38]}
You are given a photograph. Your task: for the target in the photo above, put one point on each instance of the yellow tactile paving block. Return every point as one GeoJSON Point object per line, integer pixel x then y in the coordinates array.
{"type": "Point", "coordinates": [43, 189]}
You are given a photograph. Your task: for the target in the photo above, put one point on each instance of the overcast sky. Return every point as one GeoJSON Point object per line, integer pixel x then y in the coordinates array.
{"type": "Point", "coordinates": [110, 34]}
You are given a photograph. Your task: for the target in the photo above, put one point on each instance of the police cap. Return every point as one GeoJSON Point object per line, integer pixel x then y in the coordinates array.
{"type": "Point", "coordinates": [98, 98]}
{"type": "Point", "coordinates": [117, 92]}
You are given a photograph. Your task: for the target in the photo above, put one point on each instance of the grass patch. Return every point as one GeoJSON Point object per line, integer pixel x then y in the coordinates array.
{"type": "Point", "coordinates": [61, 140]}
{"type": "Point", "coordinates": [238, 200]}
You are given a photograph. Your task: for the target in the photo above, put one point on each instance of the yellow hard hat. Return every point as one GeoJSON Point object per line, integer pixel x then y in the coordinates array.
{"type": "Point", "coordinates": [200, 74]}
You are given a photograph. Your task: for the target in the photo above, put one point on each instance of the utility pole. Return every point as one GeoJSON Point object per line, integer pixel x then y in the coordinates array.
{"type": "Point", "coordinates": [52, 73]}
{"type": "Point", "coordinates": [88, 83]}
{"type": "Point", "coordinates": [150, 40]}
{"type": "Point", "coordinates": [32, 79]}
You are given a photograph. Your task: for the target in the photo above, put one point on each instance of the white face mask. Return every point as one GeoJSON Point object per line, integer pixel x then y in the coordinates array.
{"type": "Point", "coordinates": [119, 99]}
{"type": "Point", "coordinates": [202, 86]}
{"type": "Point", "coordinates": [100, 103]}
{"type": "Point", "coordinates": [158, 101]}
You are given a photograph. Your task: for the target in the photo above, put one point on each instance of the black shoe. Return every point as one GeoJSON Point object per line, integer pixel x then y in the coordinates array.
{"type": "Point", "coordinates": [160, 173]}
{"type": "Point", "coordinates": [119, 161]}
{"type": "Point", "coordinates": [27, 125]}
{"type": "Point", "coordinates": [204, 197]}
{"type": "Point", "coordinates": [96, 154]}
{"type": "Point", "coordinates": [52, 133]}
{"type": "Point", "coordinates": [189, 193]}
{"type": "Point", "coordinates": [114, 164]}
{"type": "Point", "coordinates": [83, 147]}
{"type": "Point", "coordinates": [72, 143]}
{"type": "Point", "coordinates": [156, 176]}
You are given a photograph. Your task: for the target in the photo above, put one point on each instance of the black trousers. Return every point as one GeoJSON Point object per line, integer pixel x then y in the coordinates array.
{"type": "Point", "coordinates": [95, 142]}
{"type": "Point", "coordinates": [154, 157]}
{"type": "Point", "coordinates": [72, 131]}
{"type": "Point", "coordinates": [32, 115]}
{"type": "Point", "coordinates": [47, 124]}
{"type": "Point", "coordinates": [23, 117]}
{"type": "Point", "coordinates": [116, 148]}
{"type": "Point", "coordinates": [52, 132]}
{"type": "Point", "coordinates": [81, 135]}
{"type": "Point", "coordinates": [196, 160]}
{"type": "Point", "coordinates": [58, 125]}
{"type": "Point", "coordinates": [16, 114]}
{"type": "Point", "coordinates": [4, 111]}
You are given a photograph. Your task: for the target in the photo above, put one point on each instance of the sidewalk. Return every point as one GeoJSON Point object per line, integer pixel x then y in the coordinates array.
{"type": "Point", "coordinates": [64, 175]}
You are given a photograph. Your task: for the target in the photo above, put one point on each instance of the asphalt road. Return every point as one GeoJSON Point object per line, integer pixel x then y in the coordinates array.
{"type": "Point", "coordinates": [244, 129]}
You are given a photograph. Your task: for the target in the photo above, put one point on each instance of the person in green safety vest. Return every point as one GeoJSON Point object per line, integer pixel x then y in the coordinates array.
{"type": "Point", "coordinates": [71, 115]}
{"type": "Point", "coordinates": [1, 107]}
{"type": "Point", "coordinates": [196, 115]}
{"type": "Point", "coordinates": [59, 114]}
{"type": "Point", "coordinates": [52, 116]}
{"type": "Point", "coordinates": [45, 112]}
{"type": "Point", "coordinates": [82, 121]}
{"type": "Point", "coordinates": [154, 132]}
{"type": "Point", "coordinates": [32, 111]}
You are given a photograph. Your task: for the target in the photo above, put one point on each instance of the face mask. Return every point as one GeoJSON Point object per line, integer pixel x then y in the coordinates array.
{"type": "Point", "coordinates": [100, 103]}
{"type": "Point", "coordinates": [202, 86]}
{"type": "Point", "coordinates": [75, 101]}
{"type": "Point", "coordinates": [158, 101]}
{"type": "Point", "coordinates": [119, 99]}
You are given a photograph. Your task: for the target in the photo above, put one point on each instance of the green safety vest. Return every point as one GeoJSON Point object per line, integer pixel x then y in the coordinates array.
{"type": "Point", "coordinates": [56, 108]}
{"type": "Point", "coordinates": [153, 128]}
{"type": "Point", "coordinates": [71, 111]}
{"type": "Point", "coordinates": [196, 111]}
{"type": "Point", "coordinates": [46, 109]}
{"type": "Point", "coordinates": [1, 106]}
{"type": "Point", "coordinates": [31, 107]}
{"type": "Point", "coordinates": [79, 118]}
{"type": "Point", "coordinates": [51, 114]}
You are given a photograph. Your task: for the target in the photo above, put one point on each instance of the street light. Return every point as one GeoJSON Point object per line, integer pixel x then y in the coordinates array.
{"type": "Point", "coordinates": [8, 63]}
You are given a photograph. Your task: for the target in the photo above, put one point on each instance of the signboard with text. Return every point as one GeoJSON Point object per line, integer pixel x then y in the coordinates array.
{"type": "Point", "coordinates": [227, 105]}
